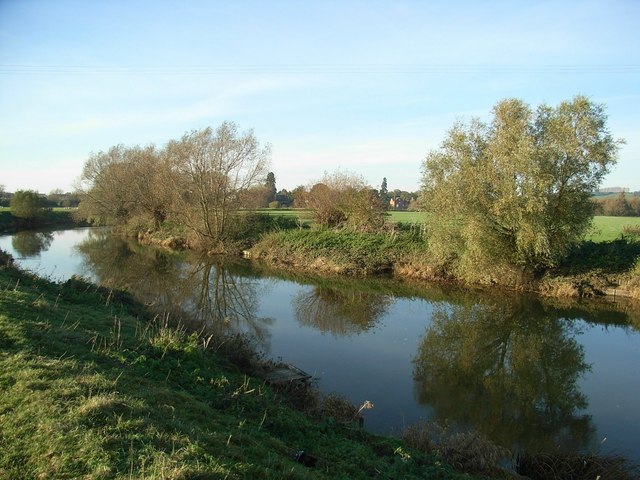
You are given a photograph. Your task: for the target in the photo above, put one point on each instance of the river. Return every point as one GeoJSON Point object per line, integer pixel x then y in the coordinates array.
{"type": "Point", "coordinates": [531, 374]}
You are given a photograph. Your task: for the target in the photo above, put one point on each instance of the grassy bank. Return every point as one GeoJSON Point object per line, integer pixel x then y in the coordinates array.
{"type": "Point", "coordinates": [93, 387]}
{"type": "Point", "coordinates": [593, 269]}
{"type": "Point", "coordinates": [337, 251]}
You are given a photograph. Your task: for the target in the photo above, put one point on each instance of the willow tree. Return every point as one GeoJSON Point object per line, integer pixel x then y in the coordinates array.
{"type": "Point", "coordinates": [124, 183]}
{"type": "Point", "coordinates": [216, 169]}
{"type": "Point", "coordinates": [27, 204]}
{"type": "Point", "coordinates": [508, 199]}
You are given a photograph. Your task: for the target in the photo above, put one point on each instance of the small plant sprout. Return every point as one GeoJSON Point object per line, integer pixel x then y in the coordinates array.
{"type": "Point", "coordinates": [404, 456]}
{"type": "Point", "coordinates": [367, 405]}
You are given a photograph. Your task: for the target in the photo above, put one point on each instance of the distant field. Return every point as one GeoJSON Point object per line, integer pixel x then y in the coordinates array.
{"type": "Point", "coordinates": [406, 217]}
{"type": "Point", "coordinates": [610, 228]}
{"type": "Point", "coordinates": [305, 215]}
{"type": "Point", "coordinates": [604, 228]}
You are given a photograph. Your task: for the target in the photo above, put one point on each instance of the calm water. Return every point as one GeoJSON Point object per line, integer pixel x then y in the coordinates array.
{"type": "Point", "coordinates": [529, 374]}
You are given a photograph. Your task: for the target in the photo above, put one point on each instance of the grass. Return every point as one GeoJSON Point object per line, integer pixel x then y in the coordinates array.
{"type": "Point", "coordinates": [610, 228]}
{"type": "Point", "coordinates": [95, 387]}
{"type": "Point", "coordinates": [306, 216]}
{"type": "Point", "coordinates": [302, 215]}
{"type": "Point", "coordinates": [398, 216]}
{"type": "Point", "coordinates": [336, 251]}
{"type": "Point", "coordinates": [604, 228]}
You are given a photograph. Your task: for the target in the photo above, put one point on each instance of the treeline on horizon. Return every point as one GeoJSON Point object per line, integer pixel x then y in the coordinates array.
{"type": "Point", "coordinates": [623, 204]}
{"type": "Point", "coordinates": [56, 198]}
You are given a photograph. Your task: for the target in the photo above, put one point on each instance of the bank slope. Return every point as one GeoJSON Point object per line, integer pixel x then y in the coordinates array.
{"type": "Point", "coordinates": [94, 388]}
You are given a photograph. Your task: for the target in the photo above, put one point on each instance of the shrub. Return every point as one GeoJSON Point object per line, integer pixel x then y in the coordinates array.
{"type": "Point", "coordinates": [27, 204]}
{"type": "Point", "coordinates": [467, 451]}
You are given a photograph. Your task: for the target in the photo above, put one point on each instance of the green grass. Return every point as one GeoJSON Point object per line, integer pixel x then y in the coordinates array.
{"type": "Point", "coordinates": [406, 217]}
{"type": "Point", "coordinates": [93, 387]}
{"type": "Point", "coordinates": [604, 228]}
{"type": "Point", "coordinates": [337, 251]}
{"type": "Point", "coordinates": [304, 216]}
{"type": "Point", "coordinates": [610, 228]}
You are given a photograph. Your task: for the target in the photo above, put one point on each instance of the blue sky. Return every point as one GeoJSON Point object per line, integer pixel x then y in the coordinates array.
{"type": "Point", "coordinates": [363, 86]}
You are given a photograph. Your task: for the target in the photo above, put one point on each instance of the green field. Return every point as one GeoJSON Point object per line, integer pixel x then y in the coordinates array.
{"type": "Point", "coordinates": [406, 217]}
{"type": "Point", "coordinates": [610, 228]}
{"type": "Point", "coordinates": [604, 228]}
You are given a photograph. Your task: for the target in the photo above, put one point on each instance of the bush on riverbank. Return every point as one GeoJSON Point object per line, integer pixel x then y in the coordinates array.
{"type": "Point", "coordinates": [50, 218]}
{"type": "Point", "coordinates": [93, 387]}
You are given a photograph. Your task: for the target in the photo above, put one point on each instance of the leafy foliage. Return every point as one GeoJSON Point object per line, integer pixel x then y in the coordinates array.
{"type": "Point", "coordinates": [511, 198]}
{"type": "Point", "coordinates": [27, 204]}
{"type": "Point", "coordinates": [199, 182]}
{"type": "Point", "coordinates": [342, 199]}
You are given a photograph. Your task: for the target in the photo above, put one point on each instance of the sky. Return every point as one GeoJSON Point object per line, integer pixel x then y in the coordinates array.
{"type": "Point", "coordinates": [368, 87]}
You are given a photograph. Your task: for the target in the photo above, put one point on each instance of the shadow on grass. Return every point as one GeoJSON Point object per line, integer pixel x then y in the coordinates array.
{"type": "Point", "coordinates": [615, 256]}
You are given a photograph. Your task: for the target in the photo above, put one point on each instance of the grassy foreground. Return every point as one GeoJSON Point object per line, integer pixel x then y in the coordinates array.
{"type": "Point", "coordinates": [92, 387]}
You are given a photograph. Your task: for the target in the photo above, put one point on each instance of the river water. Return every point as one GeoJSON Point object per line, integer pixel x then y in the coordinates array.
{"type": "Point", "coordinates": [530, 374]}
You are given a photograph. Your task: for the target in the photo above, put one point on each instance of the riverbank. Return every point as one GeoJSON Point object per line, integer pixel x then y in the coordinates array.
{"type": "Point", "coordinates": [55, 218]}
{"type": "Point", "coordinates": [593, 269]}
{"type": "Point", "coordinates": [95, 386]}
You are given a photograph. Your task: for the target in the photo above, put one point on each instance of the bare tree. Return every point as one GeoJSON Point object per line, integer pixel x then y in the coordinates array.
{"type": "Point", "coordinates": [344, 199]}
{"type": "Point", "coordinates": [216, 170]}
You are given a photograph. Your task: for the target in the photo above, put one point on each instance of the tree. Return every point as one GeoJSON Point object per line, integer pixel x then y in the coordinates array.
{"type": "Point", "coordinates": [384, 192]}
{"type": "Point", "coordinates": [55, 197]}
{"type": "Point", "coordinates": [27, 204]}
{"type": "Point", "coordinates": [509, 199]}
{"type": "Point", "coordinates": [270, 183]}
{"type": "Point", "coordinates": [216, 170]}
{"type": "Point", "coordinates": [323, 201]}
{"type": "Point", "coordinates": [618, 206]}
{"type": "Point", "coordinates": [299, 196]}
{"type": "Point", "coordinates": [284, 198]}
{"type": "Point", "coordinates": [104, 185]}
{"type": "Point", "coordinates": [344, 199]}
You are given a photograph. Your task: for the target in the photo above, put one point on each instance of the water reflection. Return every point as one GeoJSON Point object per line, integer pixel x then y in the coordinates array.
{"type": "Point", "coordinates": [510, 366]}
{"type": "Point", "coordinates": [208, 296]}
{"type": "Point", "coordinates": [30, 244]}
{"type": "Point", "coordinates": [338, 311]}
{"type": "Point", "coordinates": [510, 371]}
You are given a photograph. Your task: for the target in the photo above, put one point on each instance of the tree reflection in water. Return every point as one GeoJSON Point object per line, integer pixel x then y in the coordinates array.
{"type": "Point", "coordinates": [509, 371]}
{"type": "Point", "coordinates": [31, 244]}
{"type": "Point", "coordinates": [341, 312]}
{"type": "Point", "coordinates": [208, 297]}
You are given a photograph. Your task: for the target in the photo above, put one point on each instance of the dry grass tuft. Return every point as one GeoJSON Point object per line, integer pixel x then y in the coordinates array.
{"type": "Point", "coordinates": [556, 466]}
{"type": "Point", "coordinates": [466, 451]}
